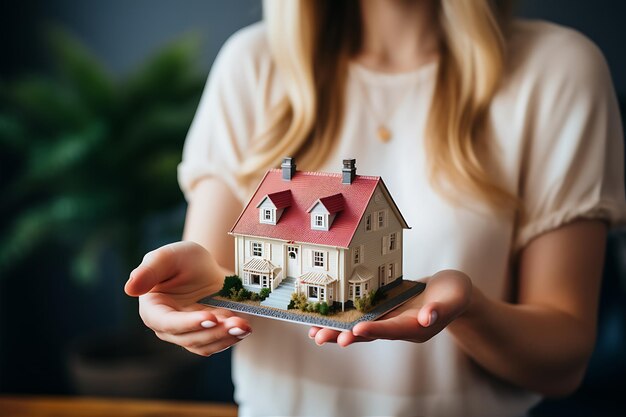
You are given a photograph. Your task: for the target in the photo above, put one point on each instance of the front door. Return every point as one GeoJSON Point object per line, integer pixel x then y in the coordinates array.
{"type": "Point", "coordinates": [293, 261]}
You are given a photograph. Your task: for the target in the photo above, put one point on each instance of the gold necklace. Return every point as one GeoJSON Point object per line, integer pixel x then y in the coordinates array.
{"type": "Point", "coordinates": [383, 131]}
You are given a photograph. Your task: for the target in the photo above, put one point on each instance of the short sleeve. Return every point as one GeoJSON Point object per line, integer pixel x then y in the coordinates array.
{"type": "Point", "coordinates": [574, 161]}
{"type": "Point", "coordinates": [224, 122]}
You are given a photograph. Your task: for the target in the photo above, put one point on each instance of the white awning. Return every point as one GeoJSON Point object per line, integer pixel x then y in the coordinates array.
{"type": "Point", "coordinates": [360, 275]}
{"type": "Point", "coordinates": [260, 265]}
{"type": "Point", "coordinates": [316, 278]}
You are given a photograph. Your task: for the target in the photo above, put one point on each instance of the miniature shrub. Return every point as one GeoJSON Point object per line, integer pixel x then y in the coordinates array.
{"type": "Point", "coordinates": [231, 282]}
{"type": "Point", "coordinates": [369, 300]}
{"type": "Point", "coordinates": [254, 296]}
{"type": "Point", "coordinates": [324, 309]}
{"type": "Point", "coordinates": [377, 296]}
{"type": "Point", "coordinates": [365, 303]}
{"type": "Point", "coordinates": [240, 295]}
{"type": "Point", "coordinates": [291, 305]}
{"type": "Point", "coordinates": [265, 292]}
{"type": "Point", "coordinates": [299, 301]}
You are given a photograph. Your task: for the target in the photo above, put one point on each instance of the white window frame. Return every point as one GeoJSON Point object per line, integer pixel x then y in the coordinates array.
{"type": "Point", "coordinates": [318, 220]}
{"type": "Point", "coordinates": [318, 259]}
{"type": "Point", "coordinates": [256, 247]}
{"type": "Point", "coordinates": [317, 292]}
{"type": "Point", "coordinates": [368, 222]}
{"type": "Point", "coordinates": [381, 219]}
{"type": "Point", "coordinates": [356, 255]}
{"type": "Point", "coordinates": [391, 270]}
{"type": "Point", "coordinates": [393, 241]}
{"type": "Point", "coordinates": [264, 212]}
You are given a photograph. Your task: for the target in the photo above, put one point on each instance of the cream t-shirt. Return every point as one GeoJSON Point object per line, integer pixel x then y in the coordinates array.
{"type": "Point", "coordinates": [555, 129]}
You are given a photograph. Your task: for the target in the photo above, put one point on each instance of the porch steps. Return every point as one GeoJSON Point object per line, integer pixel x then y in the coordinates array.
{"type": "Point", "coordinates": [280, 297]}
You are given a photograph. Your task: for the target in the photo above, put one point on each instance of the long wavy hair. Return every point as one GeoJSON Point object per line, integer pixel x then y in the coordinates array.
{"type": "Point", "coordinates": [312, 42]}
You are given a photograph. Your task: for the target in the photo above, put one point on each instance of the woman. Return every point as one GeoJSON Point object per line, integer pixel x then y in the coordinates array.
{"type": "Point", "coordinates": [501, 143]}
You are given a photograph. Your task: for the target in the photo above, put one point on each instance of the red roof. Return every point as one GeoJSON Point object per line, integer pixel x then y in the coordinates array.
{"type": "Point", "coordinates": [280, 199]}
{"type": "Point", "coordinates": [333, 203]}
{"type": "Point", "coordinates": [307, 188]}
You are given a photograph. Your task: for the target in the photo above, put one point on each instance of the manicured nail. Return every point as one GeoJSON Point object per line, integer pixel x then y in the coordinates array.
{"type": "Point", "coordinates": [207, 324]}
{"type": "Point", "coordinates": [243, 336]}
{"type": "Point", "coordinates": [236, 331]}
{"type": "Point", "coordinates": [433, 318]}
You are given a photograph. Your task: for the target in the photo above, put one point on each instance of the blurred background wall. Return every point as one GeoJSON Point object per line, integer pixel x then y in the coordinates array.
{"type": "Point", "coordinates": [61, 275]}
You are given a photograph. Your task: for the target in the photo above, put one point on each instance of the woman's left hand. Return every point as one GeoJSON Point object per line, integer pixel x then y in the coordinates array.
{"type": "Point", "coordinates": [446, 297]}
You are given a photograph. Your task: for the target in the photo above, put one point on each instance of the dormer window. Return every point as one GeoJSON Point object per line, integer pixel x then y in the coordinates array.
{"type": "Point", "coordinates": [272, 206]}
{"type": "Point", "coordinates": [324, 210]}
{"type": "Point", "coordinates": [319, 221]}
{"type": "Point", "coordinates": [268, 216]}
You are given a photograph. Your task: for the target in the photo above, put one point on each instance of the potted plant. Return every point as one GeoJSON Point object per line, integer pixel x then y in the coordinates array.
{"type": "Point", "coordinates": [88, 168]}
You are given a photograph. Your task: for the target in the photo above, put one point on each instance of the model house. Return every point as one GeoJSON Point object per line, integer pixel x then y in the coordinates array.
{"type": "Point", "coordinates": [333, 237]}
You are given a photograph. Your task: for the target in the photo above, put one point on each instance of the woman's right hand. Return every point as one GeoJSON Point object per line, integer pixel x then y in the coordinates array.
{"type": "Point", "coordinates": [169, 282]}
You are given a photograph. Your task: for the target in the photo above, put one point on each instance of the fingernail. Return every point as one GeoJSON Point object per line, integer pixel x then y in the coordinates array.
{"type": "Point", "coordinates": [236, 331]}
{"type": "Point", "coordinates": [207, 324]}
{"type": "Point", "coordinates": [243, 336]}
{"type": "Point", "coordinates": [433, 318]}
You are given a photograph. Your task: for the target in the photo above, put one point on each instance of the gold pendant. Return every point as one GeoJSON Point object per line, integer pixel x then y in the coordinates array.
{"type": "Point", "coordinates": [384, 134]}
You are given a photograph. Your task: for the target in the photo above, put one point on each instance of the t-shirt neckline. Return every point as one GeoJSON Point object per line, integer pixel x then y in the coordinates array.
{"type": "Point", "coordinates": [376, 77]}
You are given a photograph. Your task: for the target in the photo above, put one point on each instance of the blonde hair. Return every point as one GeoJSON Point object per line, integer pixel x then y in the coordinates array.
{"type": "Point", "coordinates": [311, 43]}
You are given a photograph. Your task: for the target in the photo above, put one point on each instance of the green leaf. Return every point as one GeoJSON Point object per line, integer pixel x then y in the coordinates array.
{"type": "Point", "coordinates": [48, 105]}
{"type": "Point", "coordinates": [167, 73]}
{"type": "Point", "coordinates": [82, 69]}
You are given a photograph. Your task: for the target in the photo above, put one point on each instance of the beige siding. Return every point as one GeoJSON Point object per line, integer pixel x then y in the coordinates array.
{"type": "Point", "coordinates": [372, 253]}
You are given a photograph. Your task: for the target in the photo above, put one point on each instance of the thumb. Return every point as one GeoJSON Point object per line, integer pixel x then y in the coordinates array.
{"type": "Point", "coordinates": [156, 267]}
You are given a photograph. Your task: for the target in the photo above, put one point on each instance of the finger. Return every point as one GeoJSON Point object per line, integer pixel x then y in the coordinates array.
{"type": "Point", "coordinates": [199, 338]}
{"type": "Point", "coordinates": [326, 336]}
{"type": "Point", "coordinates": [165, 319]}
{"type": "Point", "coordinates": [195, 345]}
{"type": "Point", "coordinates": [236, 326]}
{"type": "Point", "coordinates": [404, 327]}
{"type": "Point", "coordinates": [313, 331]}
{"type": "Point", "coordinates": [157, 266]}
{"type": "Point", "coordinates": [429, 314]}
{"type": "Point", "coordinates": [213, 348]}
{"type": "Point", "coordinates": [347, 338]}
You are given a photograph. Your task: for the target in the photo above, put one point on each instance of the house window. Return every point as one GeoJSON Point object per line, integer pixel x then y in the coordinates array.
{"type": "Point", "coordinates": [382, 219]}
{"type": "Point", "coordinates": [313, 292]}
{"type": "Point", "coordinates": [351, 292]}
{"type": "Point", "coordinates": [319, 220]}
{"type": "Point", "coordinates": [390, 273]}
{"type": "Point", "coordinates": [393, 242]}
{"type": "Point", "coordinates": [267, 215]}
{"type": "Point", "coordinates": [368, 223]}
{"type": "Point", "coordinates": [292, 251]}
{"type": "Point", "coordinates": [357, 255]}
{"type": "Point", "coordinates": [319, 259]}
{"type": "Point", "coordinates": [366, 286]}
{"type": "Point", "coordinates": [257, 249]}
{"type": "Point", "coordinates": [357, 291]}
{"type": "Point", "coordinates": [255, 279]}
